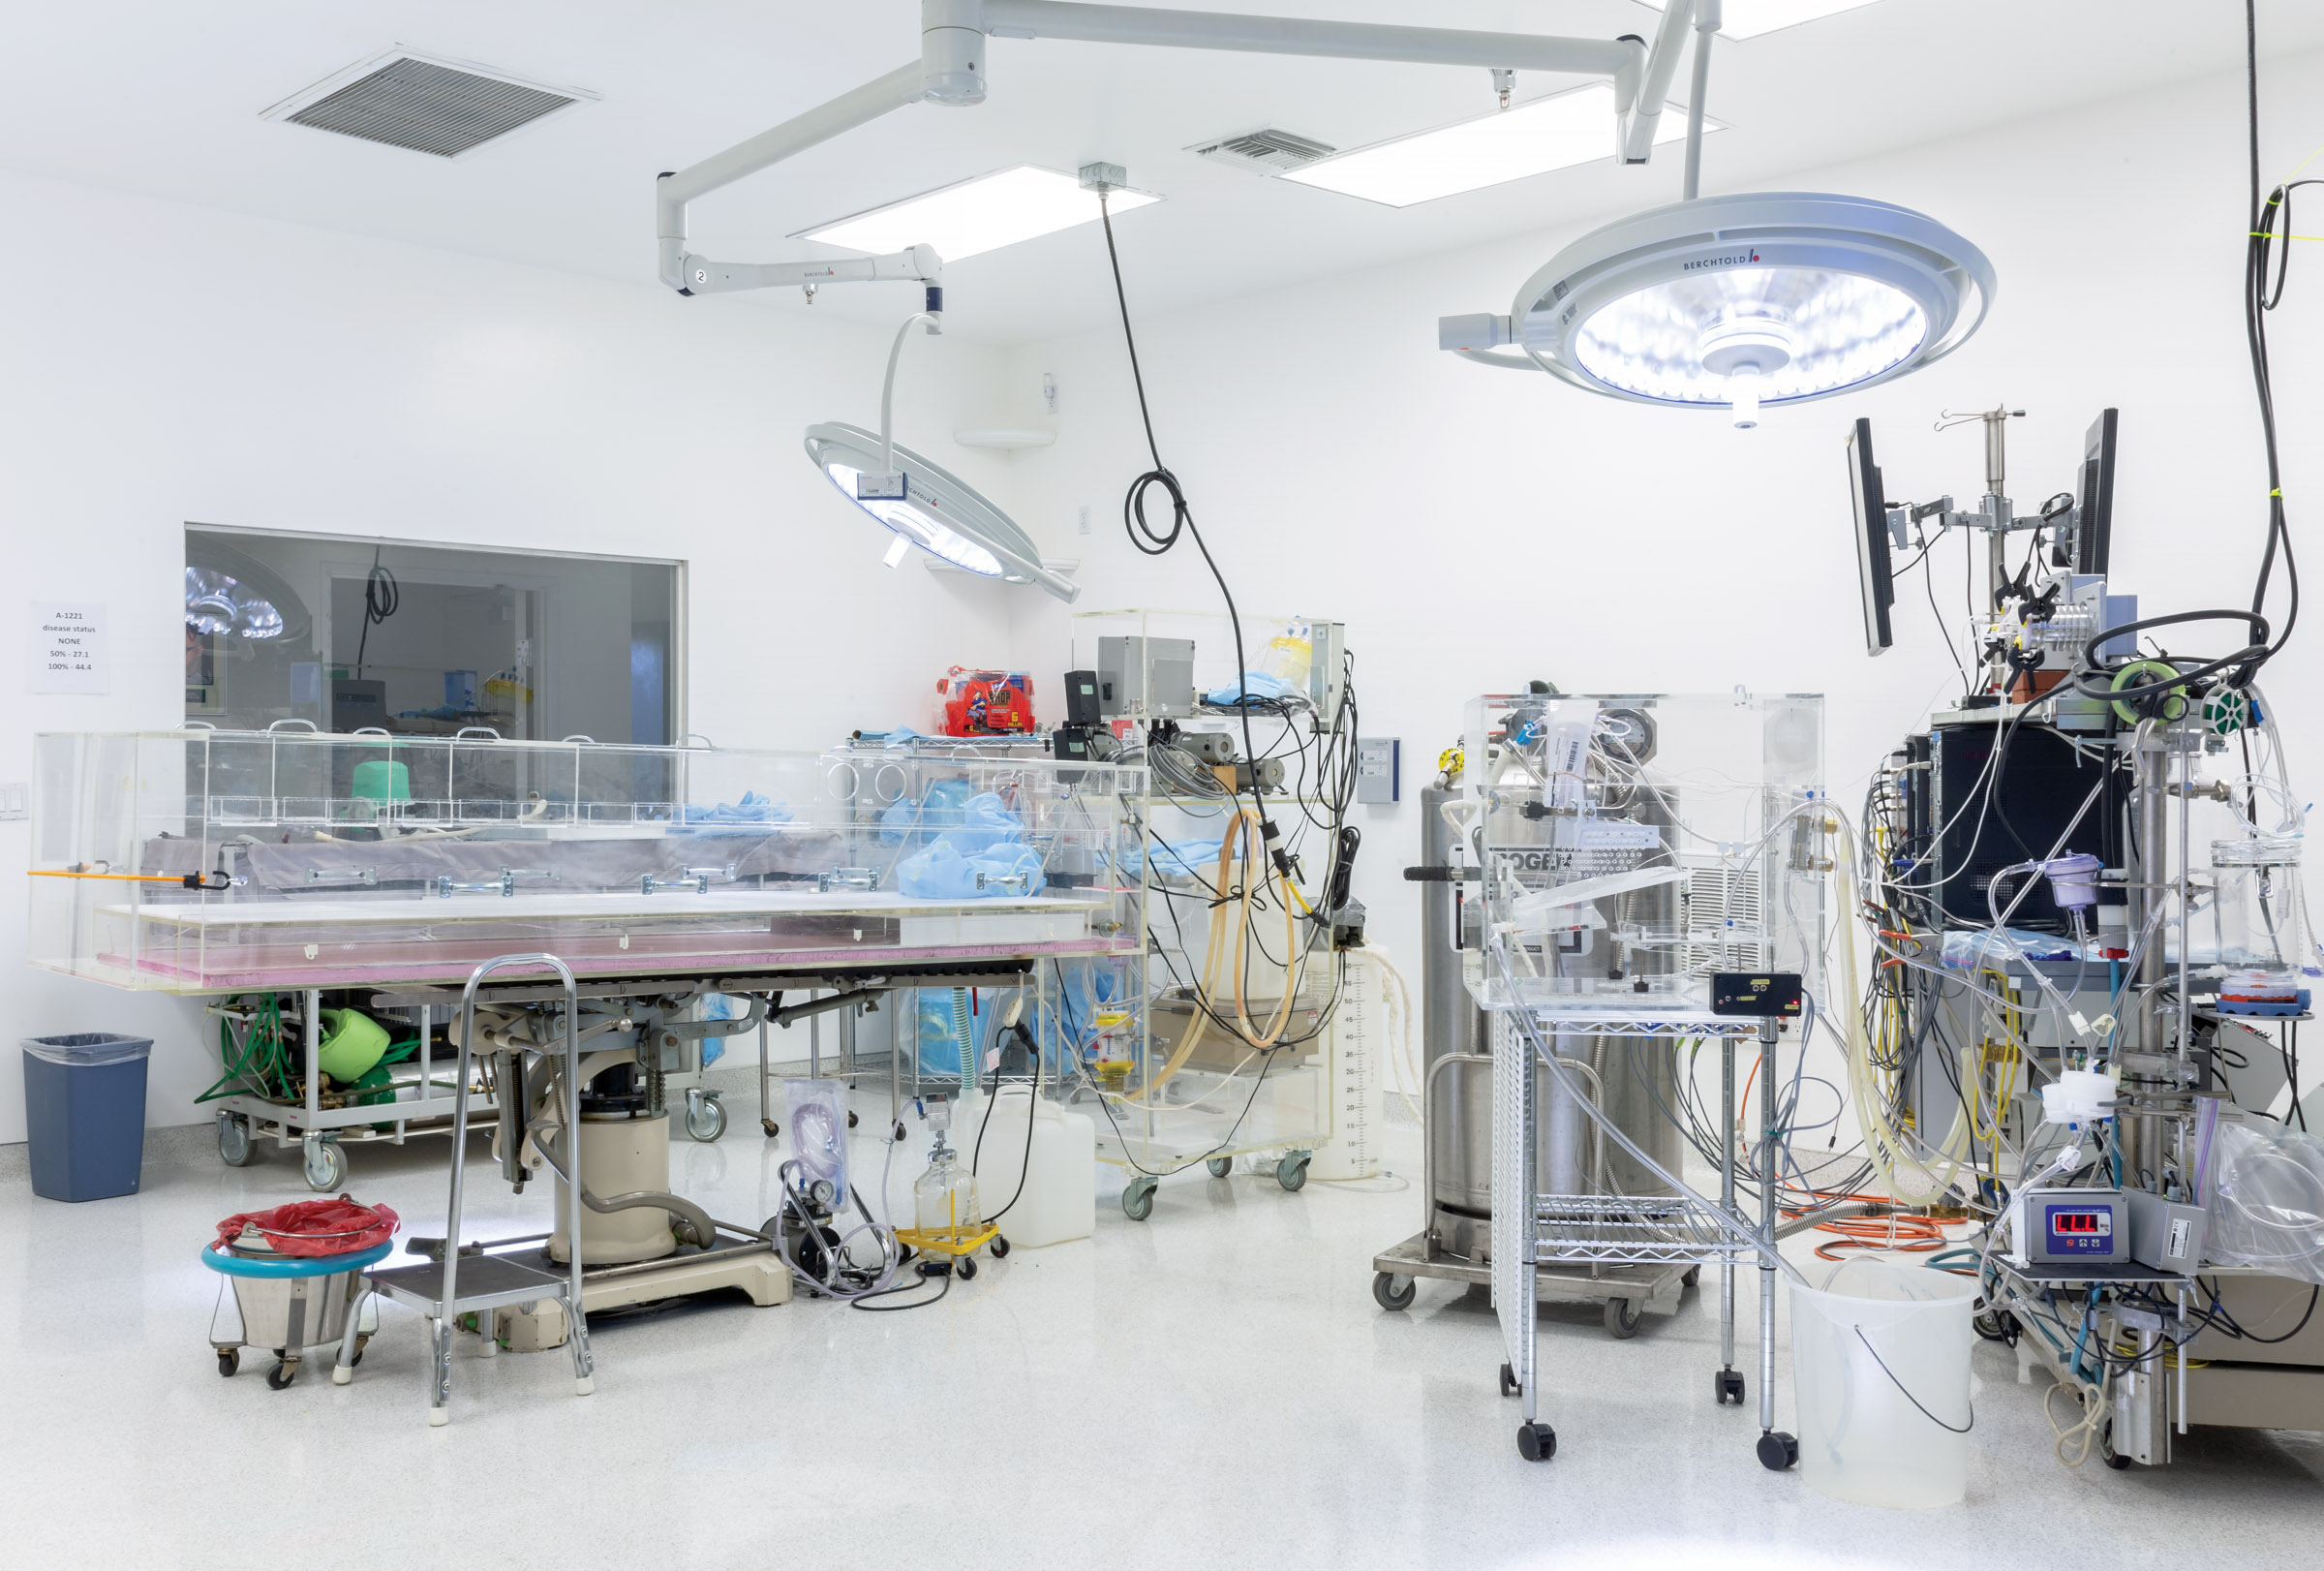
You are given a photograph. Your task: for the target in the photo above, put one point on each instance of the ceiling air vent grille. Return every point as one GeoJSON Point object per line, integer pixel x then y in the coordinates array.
{"type": "Point", "coordinates": [1266, 152]}
{"type": "Point", "coordinates": [436, 106]}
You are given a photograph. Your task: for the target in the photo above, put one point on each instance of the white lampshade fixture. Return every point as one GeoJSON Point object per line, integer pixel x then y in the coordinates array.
{"type": "Point", "coordinates": [939, 513]}
{"type": "Point", "coordinates": [1764, 298]}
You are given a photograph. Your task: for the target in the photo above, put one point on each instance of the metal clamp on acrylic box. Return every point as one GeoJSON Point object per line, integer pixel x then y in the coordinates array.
{"type": "Point", "coordinates": [505, 885]}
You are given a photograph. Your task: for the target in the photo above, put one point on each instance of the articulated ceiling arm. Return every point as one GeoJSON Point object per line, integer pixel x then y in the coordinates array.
{"type": "Point", "coordinates": [953, 36]}
{"type": "Point", "coordinates": [672, 191]}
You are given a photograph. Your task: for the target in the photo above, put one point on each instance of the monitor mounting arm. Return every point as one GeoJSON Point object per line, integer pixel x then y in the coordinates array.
{"type": "Point", "coordinates": [950, 70]}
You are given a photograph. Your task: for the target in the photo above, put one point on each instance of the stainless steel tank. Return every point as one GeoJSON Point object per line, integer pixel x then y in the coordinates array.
{"type": "Point", "coordinates": [1637, 1078]}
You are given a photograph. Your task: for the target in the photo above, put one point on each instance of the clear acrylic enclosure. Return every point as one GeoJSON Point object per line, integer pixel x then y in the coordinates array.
{"type": "Point", "coordinates": [1633, 843]}
{"type": "Point", "coordinates": [322, 860]}
{"type": "Point", "coordinates": [1217, 1034]}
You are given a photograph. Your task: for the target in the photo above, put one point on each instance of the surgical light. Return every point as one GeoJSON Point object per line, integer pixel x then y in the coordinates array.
{"type": "Point", "coordinates": [938, 511]}
{"type": "Point", "coordinates": [1554, 132]}
{"type": "Point", "coordinates": [1768, 297]}
{"type": "Point", "coordinates": [978, 215]}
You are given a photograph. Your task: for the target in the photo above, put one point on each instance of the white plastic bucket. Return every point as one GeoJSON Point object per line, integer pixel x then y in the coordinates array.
{"type": "Point", "coordinates": [1880, 1378]}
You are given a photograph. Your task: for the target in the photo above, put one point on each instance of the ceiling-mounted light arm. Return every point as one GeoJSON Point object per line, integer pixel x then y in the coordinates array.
{"type": "Point", "coordinates": [1624, 61]}
{"type": "Point", "coordinates": [920, 265]}
{"type": "Point", "coordinates": [1479, 337]}
{"type": "Point", "coordinates": [673, 191]}
{"type": "Point", "coordinates": [1707, 23]}
{"type": "Point", "coordinates": [1645, 111]}
{"type": "Point", "coordinates": [934, 322]}
{"type": "Point", "coordinates": [950, 70]}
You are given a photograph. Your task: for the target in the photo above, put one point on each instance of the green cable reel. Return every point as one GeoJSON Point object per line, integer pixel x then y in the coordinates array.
{"type": "Point", "coordinates": [2139, 673]}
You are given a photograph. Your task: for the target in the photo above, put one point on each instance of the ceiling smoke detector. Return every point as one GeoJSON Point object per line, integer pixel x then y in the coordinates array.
{"type": "Point", "coordinates": [425, 103]}
{"type": "Point", "coordinates": [1264, 152]}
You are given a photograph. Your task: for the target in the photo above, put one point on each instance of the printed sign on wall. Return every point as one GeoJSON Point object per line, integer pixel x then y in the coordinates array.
{"type": "Point", "coordinates": [68, 648]}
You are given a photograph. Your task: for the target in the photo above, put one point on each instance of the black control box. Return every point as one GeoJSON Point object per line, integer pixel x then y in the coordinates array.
{"type": "Point", "coordinates": [1081, 698]}
{"type": "Point", "coordinates": [1765, 995]}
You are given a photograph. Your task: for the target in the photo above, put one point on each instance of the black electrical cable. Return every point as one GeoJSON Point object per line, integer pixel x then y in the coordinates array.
{"type": "Point", "coordinates": [1031, 1106]}
{"type": "Point", "coordinates": [1152, 543]}
{"type": "Point", "coordinates": [381, 595]}
{"type": "Point", "coordinates": [943, 1287]}
{"type": "Point", "coordinates": [2258, 302]}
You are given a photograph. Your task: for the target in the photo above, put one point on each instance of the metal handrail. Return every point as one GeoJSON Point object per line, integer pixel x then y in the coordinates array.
{"type": "Point", "coordinates": [577, 1325]}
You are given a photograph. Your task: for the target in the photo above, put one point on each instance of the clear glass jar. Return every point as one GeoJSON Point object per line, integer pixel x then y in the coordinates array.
{"type": "Point", "coordinates": [2260, 920]}
{"type": "Point", "coordinates": [944, 1197]}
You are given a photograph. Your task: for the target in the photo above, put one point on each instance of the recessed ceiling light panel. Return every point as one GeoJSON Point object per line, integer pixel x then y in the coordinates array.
{"type": "Point", "coordinates": [1554, 132]}
{"type": "Point", "coordinates": [1748, 19]}
{"type": "Point", "coordinates": [1761, 297]}
{"type": "Point", "coordinates": [978, 215]}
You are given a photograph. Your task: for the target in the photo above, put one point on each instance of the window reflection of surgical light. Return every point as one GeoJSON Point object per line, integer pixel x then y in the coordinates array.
{"type": "Point", "coordinates": [218, 603]}
{"type": "Point", "coordinates": [1742, 300]}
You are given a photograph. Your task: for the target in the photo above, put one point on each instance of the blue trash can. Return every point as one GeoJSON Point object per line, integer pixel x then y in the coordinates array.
{"type": "Point", "coordinates": [85, 1114]}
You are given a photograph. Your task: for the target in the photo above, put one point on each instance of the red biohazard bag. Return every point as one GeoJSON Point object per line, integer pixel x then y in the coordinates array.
{"type": "Point", "coordinates": [309, 1228]}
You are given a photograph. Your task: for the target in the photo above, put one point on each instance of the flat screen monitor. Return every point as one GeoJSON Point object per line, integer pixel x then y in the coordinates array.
{"type": "Point", "coordinates": [2094, 513]}
{"type": "Point", "coordinates": [1872, 565]}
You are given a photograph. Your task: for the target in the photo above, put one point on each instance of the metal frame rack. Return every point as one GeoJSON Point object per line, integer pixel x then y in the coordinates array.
{"type": "Point", "coordinates": [1271, 1115]}
{"type": "Point", "coordinates": [1580, 1238]}
{"type": "Point", "coordinates": [322, 1132]}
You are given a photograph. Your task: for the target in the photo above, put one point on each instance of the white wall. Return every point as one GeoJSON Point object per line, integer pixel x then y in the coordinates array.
{"type": "Point", "coordinates": [1476, 527]}
{"type": "Point", "coordinates": [166, 363]}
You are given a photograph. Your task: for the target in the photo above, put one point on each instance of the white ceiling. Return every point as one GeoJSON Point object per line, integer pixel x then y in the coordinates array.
{"type": "Point", "coordinates": [162, 97]}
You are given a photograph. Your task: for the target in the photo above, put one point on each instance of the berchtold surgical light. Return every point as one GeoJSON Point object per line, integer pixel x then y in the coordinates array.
{"type": "Point", "coordinates": [1742, 300]}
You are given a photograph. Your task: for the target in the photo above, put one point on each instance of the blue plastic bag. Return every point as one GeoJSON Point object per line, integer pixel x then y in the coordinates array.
{"type": "Point", "coordinates": [1257, 684]}
{"type": "Point", "coordinates": [756, 807]}
{"type": "Point", "coordinates": [943, 873]}
{"type": "Point", "coordinates": [910, 822]}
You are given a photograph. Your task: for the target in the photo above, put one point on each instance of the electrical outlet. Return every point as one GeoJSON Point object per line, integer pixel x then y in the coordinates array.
{"type": "Point", "coordinates": [16, 800]}
{"type": "Point", "coordinates": [1084, 523]}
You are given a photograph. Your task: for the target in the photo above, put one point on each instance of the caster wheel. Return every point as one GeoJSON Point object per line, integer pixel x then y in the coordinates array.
{"type": "Point", "coordinates": [1537, 1442]}
{"type": "Point", "coordinates": [361, 1343]}
{"type": "Point", "coordinates": [1509, 1381]}
{"type": "Point", "coordinates": [2108, 1455]}
{"type": "Point", "coordinates": [706, 1119]}
{"type": "Point", "coordinates": [1000, 1247]}
{"type": "Point", "coordinates": [966, 1266]}
{"type": "Point", "coordinates": [773, 1128]}
{"type": "Point", "coordinates": [1292, 1173]}
{"type": "Point", "coordinates": [1778, 1451]}
{"type": "Point", "coordinates": [1728, 1386]}
{"type": "Point", "coordinates": [279, 1377]}
{"type": "Point", "coordinates": [326, 1166]}
{"type": "Point", "coordinates": [1138, 1201]}
{"type": "Point", "coordinates": [1623, 1317]}
{"type": "Point", "coordinates": [1693, 1276]}
{"type": "Point", "coordinates": [1219, 1166]}
{"type": "Point", "coordinates": [851, 1122]}
{"type": "Point", "coordinates": [233, 1140]}
{"type": "Point", "coordinates": [1393, 1292]}
{"type": "Point", "coordinates": [230, 1359]}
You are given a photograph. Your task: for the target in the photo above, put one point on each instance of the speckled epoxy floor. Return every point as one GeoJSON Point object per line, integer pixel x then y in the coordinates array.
{"type": "Point", "coordinates": [1213, 1387]}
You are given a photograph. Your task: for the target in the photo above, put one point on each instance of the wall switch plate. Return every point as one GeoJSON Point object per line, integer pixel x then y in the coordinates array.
{"type": "Point", "coordinates": [1379, 769]}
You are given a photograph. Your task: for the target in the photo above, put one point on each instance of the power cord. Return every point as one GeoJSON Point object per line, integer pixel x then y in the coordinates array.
{"type": "Point", "coordinates": [1152, 541]}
